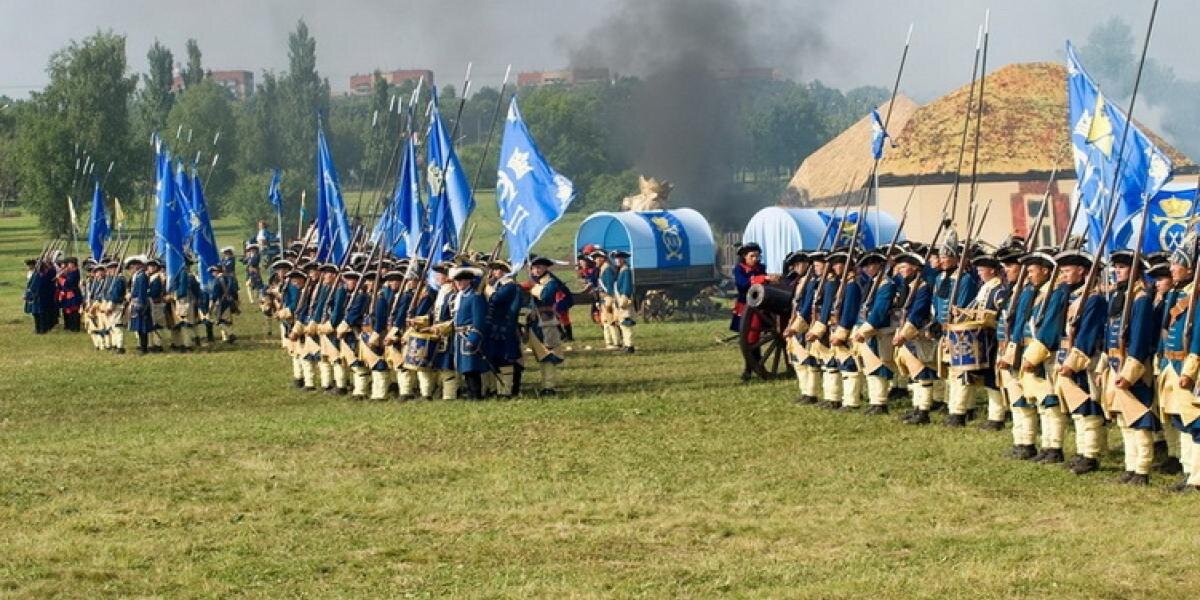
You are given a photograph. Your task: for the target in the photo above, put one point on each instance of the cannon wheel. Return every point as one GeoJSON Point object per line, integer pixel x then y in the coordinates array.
{"type": "Point", "coordinates": [771, 361]}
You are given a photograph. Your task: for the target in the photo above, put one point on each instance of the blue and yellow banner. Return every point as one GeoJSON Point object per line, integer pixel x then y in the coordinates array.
{"type": "Point", "coordinates": [670, 239]}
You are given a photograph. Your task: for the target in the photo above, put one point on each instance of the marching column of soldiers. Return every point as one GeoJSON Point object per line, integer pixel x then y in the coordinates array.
{"type": "Point", "coordinates": [376, 328]}
{"type": "Point", "coordinates": [1012, 331]}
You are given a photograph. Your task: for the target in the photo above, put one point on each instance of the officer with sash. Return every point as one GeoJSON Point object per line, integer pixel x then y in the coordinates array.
{"type": "Point", "coordinates": [141, 321]}
{"type": "Point", "coordinates": [1130, 389]}
{"type": "Point", "coordinates": [503, 347]}
{"type": "Point", "coordinates": [470, 330]}
{"type": "Point", "coordinates": [915, 351]}
{"type": "Point", "coordinates": [623, 299]}
{"type": "Point", "coordinates": [874, 330]}
{"type": "Point", "coordinates": [1178, 362]}
{"type": "Point", "coordinates": [820, 328]}
{"type": "Point", "coordinates": [606, 278]}
{"type": "Point", "coordinates": [1025, 389]}
{"type": "Point", "coordinates": [1084, 323]}
{"type": "Point", "coordinates": [543, 332]}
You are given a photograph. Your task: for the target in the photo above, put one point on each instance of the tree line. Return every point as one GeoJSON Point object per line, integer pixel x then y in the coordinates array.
{"type": "Point", "coordinates": [95, 109]}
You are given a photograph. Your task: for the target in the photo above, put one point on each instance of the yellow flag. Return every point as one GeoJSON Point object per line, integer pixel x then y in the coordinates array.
{"type": "Point", "coordinates": [118, 214]}
{"type": "Point", "coordinates": [1100, 134]}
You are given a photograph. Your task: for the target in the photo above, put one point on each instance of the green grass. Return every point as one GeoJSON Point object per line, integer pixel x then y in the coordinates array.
{"type": "Point", "coordinates": [656, 474]}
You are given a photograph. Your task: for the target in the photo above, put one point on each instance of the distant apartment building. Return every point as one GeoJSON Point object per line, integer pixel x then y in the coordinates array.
{"type": "Point", "coordinates": [361, 85]}
{"type": "Point", "coordinates": [239, 83]}
{"type": "Point", "coordinates": [563, 77]}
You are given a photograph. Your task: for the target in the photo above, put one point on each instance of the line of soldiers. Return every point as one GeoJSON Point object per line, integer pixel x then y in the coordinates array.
{"type": "Point", "coordinates": [376, 328]}
{"type": "Point", "coordinates": [609, 276]}
{"type": "Point", "coordinates": [1044, 353]}
{"type": "Point", "coordinates": [134, 296]}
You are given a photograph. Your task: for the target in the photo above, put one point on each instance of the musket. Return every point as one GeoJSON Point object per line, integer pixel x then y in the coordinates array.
{"type": "Point", "coordinates": [965, 259]}
{"type": "Point", "coordinates": [891, 249]}
{"type": "Point", "coordinates": [858, 229]}
{"type": "Point", "coordinates": [1135, 273]}
{"type": "Point", "coordinates": [1190, 313]}
{"type": "Point", "coordinates": [952, 198]}
{"type": "Point", "coordinates": [819, 294]}
{"type": "Point", "coordinates": [1019, 282]}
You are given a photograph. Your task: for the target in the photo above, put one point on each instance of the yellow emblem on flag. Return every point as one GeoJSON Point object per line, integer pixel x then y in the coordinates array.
{"type": "Point", "coordinates": [1100, 133]}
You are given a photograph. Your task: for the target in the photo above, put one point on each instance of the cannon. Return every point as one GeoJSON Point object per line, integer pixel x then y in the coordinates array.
{"type": "Point", "coordinates": [764, 349]}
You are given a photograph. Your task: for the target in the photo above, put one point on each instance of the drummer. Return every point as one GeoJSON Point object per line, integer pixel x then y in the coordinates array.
{"type": "Point", "coordinates": [748, 271]}
{"type": "Point", "coordinates": [944, 284]}
{"type": "Point", "coordinates": [977, 320]}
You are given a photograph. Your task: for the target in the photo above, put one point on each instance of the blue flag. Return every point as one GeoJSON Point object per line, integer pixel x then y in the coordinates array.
{"type": "Point", "coordinates": [402, 224]}
{"type": "Point", "coordinates": [169, 234]}
{"type": "Point", "coordinates": [1096, 127]}
{"type": "Point", "coordinates": [333, 228]}
{"type": "Point", "coordinates": [447, 180]}
{"type": "Point", "coordinates": [273, 194]}
{"type": "Point", "coordinates": [98, 230]}
{"type": "Point", "coordinates": [530, 194]}
{"type": "Point", "coordinates": [204, 243]}
{"type": "Point", "coordinates": [878, 134]}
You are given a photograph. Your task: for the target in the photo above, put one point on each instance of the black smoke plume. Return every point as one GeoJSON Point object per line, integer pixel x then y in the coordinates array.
{"type": "Point", "coordinates": [696, 60]}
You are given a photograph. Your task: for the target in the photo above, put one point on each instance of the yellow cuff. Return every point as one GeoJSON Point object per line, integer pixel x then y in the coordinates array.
{"type": "Point", "coordinates": [1132, 369]}
{"type": "Point", "coordinates": [818, 329]}
{"type": "Point", "coordinates": [987, 317]}
{"type": "Point", "coordinates": [1190, 366]}
{"type": "Point", "coordinates": [1036, 353]}
{"type": "Point", "coordinates": [866, 330]}
{"type": "Point", "coordinates": [1076, 360]}
{"type": "Point", "coordinates": [840, 334]}
{"type": "Point", "coordinates": [909, 331]}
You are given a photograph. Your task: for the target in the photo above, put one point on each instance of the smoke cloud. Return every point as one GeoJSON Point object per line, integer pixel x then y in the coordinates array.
{"type": "Point", "coordinates": [690, 55]}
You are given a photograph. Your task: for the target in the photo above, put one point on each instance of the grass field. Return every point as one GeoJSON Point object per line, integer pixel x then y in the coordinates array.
{"type": "Point", "coordinates": [656, 475]}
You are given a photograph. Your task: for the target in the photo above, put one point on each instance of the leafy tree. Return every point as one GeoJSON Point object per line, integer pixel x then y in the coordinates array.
{"type": "Point", "coordinates": [193, 73]}
{"type": "Point", "coordinates": [85, 108]}
{"type": "Point", "coordinates": [203, 111]}
{"type": "Point", "coordinates": [155, 98]}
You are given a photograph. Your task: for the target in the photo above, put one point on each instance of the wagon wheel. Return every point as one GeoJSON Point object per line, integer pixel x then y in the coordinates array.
{"type": "Point", "coordinates": [770, 362]}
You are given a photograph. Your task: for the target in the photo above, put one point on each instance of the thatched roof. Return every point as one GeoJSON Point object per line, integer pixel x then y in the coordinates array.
{"type": "Point", "coordinates": [1024, 133]}
{"type": "Point", "coordinates": [846, 159]}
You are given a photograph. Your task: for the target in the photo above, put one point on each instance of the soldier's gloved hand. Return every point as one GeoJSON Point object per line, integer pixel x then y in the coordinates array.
{"type": "Point", "coordinates": [1027, 366]}
{"type": "Point", "coordinates": [1186, 383]}
{"type": "Point", "coordinates": [1066, 371]}
{"type": "Point", "coordinates": [1002, 364]}
{"type": "Point", "coordinates": [1123, 384]}
{"type": "Point", "coordinates": [789, 332]}
{"type": "Point", "coordinates": [898, 340]}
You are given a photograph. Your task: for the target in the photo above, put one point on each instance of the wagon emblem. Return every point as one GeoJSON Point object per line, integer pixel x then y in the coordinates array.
{"type": "Point", "coordinates": [672, 241]}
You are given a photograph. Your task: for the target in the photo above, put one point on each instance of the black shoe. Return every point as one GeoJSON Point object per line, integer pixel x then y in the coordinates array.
{"type": "Point", "coordinates": [628, 349]}
{"type": "Point", "coordinates": [1024, 452]}
{"type": "Point", "coordinates": [1039, 457]}
{"type": "Point", "coordinates": [328, 390]}
{"type": "Point", "coordinates": [1179, 486]}
{"type": "Point", "coordinates": [405, 398]}
{"type": "Point", "coordinates": [937, 406]}
{"type": "Point", "coordinates": [1125, 477]}
{"type": "Point", "coordinates": [919, 417]}
{"type": "Point", "coordinates": [847, 408]}
{"type": "Point", "coordinates": [992, 426]}
{"type": "Point", "coordinates": [876, 409]}
{"type": "Point", "coordinates": [341, 391]}
{"type": "Point", "coordinates": [311, 389]}
{"type": "Point", "coordinates": [394, 389]}
{"type": "Point", "coordinates": [824, 404]}
{"type": "Point", "coordinates": [1170, 466]}
{"type": "Point", "coordinates": [1078, 458]}
{"type": "Point", "coordinates": [120, 351]}
{"type": "Point", "coordinates": [971, 414]}
{"type": "Point", "coordinates": [956, 421]}
{"type": "Point", "coordinates": [1139, 480]}
{"type": "Point", "coordinates": [897, 393]}
{"type": "Point", "coordinates": [298, 383]}
{"type": "Point", "coordinates": [808, 399]}
{"type": "Point", "coordinates": [746, 375]}
{"type": "Point", "coordinates": [798, 400]}
{"type": "Point", "coordinates": [1053, 456]}
{"type": "Point", "coordinates": [1085, 466]}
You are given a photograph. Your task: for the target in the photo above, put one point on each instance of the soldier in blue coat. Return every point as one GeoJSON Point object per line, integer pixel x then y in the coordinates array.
{"type": "Point", "coordinates": [544, 336]}
{"type": "Point", "coordinates": [1079, 395]}
{"type": "Point", "coordinates": [349, 332]}
{"type": "Point", "coordinates": [185, 294]}
{"type": "Point", "coordinates": [470, 330]}
{"type": "Point", "coordinates": [1049, 325]}
{"type": "Point", "coordinates": [606, 279]}
{"type": "Point", "coordinates": [115, 307]}
{"type": "Point", "coordinates": [289, 305]}
{"type": "Point", "coordinates": [820, 327]}
{"type": "Point", "coordinates": [853, 291]}
{"type": "Point", "coordinates": [335, 313]}
{"type": "Point", "coordinates": [223, 302]}
{"type": "Point", "coordinates": [946, 283]}
{"type": "Point", "coordinates": [1178, 362]}
{"type": "Point", "coordinates": [623, 299]}
{"type": "Point", "coordinates": [503, 347]}
{"type": "Point", "coordinates": [380, 320]}
{"type": "Point", "coordinates": [140, 320]}
{"type": "Point", "coordinates": [806, 276]}
{"type": "Point", "coordinates": [914, 349]}
{"type": "Point", "coordinates": [874, 330]}
{"type": "Point", "coordinates": [1023, 389]}
{"type": "Point", "coordinates": [979, 318]}
{"type": "Point", "coordinates": [1131, 374]}
{"type": "Point", "coordinates": [157, 290]}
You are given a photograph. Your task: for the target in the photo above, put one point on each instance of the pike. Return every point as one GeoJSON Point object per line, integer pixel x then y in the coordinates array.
{"type": "Point", "coordinates": [845, 206]}
{"type": "Point", "coordinates": [487, 146]}
{"type": "Point", "coordinates": [891, 248]}
{"type": "Point", "coordinates": [965, 259]}
{"type": "Point", "coordinates": [1190, 313]}
{"type": "Point", "coordinates": [1090, 282]}
{"type": "Point", "coordinates": [887, 119]}
{"type": "Point", "coordinates": [1019, 282]}
{"type": "Point", "coordinates": [381, 193]}
{"type": "Point", "coordinates": [981, 39]}
{"type": "Point", "coordinates": [858, 228]}
{"type": "Point", "coordinates": [362, 179]}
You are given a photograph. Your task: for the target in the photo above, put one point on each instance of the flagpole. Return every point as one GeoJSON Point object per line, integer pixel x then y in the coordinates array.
{"type": "Point", "coordinates": [300, 218]}
{"type": "Point", "coordinates": [987, 17]}
{"type": "Point", "coordinates": [487, 146]}
{"type": "Point", "coordinates": [886, 120]}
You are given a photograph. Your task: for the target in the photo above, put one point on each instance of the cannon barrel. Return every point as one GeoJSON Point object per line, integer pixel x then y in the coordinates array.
{"type": "Point", "coordinates": [771, 299]}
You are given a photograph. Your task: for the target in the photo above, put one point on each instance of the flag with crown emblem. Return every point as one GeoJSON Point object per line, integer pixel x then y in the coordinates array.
{"type": "Point", "coordinates": [1096, 126]}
